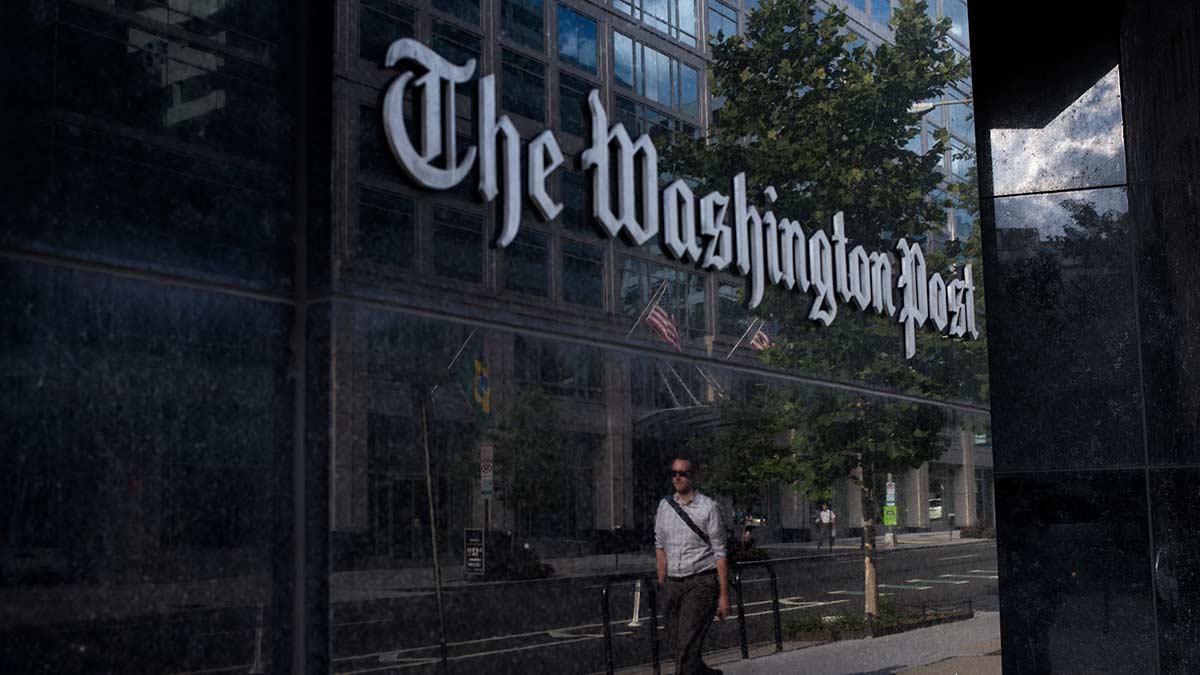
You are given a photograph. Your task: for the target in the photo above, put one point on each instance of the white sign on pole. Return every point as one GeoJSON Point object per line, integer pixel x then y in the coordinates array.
{"type": "Point", "coordinates": [891, 494]}
{"type": "Point", "coordinates": [487, 485]}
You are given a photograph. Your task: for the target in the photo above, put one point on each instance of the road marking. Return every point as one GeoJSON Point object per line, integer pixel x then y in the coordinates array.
{"type": "Point", "coordinates": [938, 581]}
{"type": "Point", "coordinates": [396, 658]}
{"type": "Point", "coordinates": [464, 656]}
{"type": "Point", "coordinates": [806, 604]}
{"type": "Point", "coordinates": [559, 633]}
{"type": "Point", "coordinates": [983, 571]}
{"type": "Point", "coordinates": [960, 557]}
{"type": "Point", "coordinates": [910, 588]}
{"type": "Point", "coordinates": [853, 593]}
{"type": "Point", "coordinates": [969, 576]}
{"type": "Point", "coordinates": [790, 605]}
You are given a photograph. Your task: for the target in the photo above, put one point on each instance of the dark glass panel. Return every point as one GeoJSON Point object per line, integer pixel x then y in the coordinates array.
{"type": "Point", "coordinates": [574, 117]}
{"type": "Point", "coordinates": [111, 199]}
{"type": "Point", "coordinates": [583, 274]}
{"type": "Point", "coordinates": [527, 264]}
{"type": "Point", "coordinates": [457, 245]}
{"type": "Point", "coordinates": [380, 23]}
{"type": "Point", "coordinates": [466, 10]}
{"type": "Point", "coordinates": [147, 449]}
{"type": "Point", "coordinates": [1074, 566]}
{"type": "Point", "coordinates": [522, 22]}
{"type": "Point", "coordinates": [387, 228]}
{"type": "Point", "coordinates": [1061, 314]}
{"type": "Point", "coordinates": [524, 86]}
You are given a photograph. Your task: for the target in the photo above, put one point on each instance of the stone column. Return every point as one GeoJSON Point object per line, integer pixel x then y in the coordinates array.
{"type": "Point", "coordinates": [613, 494]}
{"type": "Point", "coordinates": [914, 495]}
{"type": "Point", "coordinates": [964, 483]}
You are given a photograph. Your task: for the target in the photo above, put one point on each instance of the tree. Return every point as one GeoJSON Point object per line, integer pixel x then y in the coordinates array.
{"type": "Point", "coordinates": [826, 122]}
{"type": "Point", "coordinates": [533, 457]}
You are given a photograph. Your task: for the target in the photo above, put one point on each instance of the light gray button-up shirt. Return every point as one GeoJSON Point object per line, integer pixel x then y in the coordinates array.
{"type": "Point", "coordinates": [687, 553]}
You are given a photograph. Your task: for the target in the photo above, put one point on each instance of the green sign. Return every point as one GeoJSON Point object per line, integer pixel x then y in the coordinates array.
{"type": "Point", "coordinates": [889, 515]}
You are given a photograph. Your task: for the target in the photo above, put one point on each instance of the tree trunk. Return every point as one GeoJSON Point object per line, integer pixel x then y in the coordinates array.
{"type": "Point", "coordinates": [870, 578]}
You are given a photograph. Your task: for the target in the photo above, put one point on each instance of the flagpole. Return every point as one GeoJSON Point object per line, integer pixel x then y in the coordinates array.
{"type": "Point", "coordinates": [433, 392]}
{"type": "Point", "coordinates": [683, 384]}
{"type": "Point", "coordinates": [739, 342]}
{"type": "Point", "coordinates": [646, 310]}
{"type": "Point", "coordinates": [460, 349]}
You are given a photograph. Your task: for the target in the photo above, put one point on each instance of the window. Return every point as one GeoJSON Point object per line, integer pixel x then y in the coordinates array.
{"type": "Point", "coordinates": [583, 274]}
{"type": "Point", "coordinates": [457, 245]}
{"type": "Point", "coordinates": [962, 121]}
{"type": "Point", "coordinates": [387, 228]}
{"type": "Point", "coordinates": [576, 40]}
{"type": "Point", "coordinates": [467, 10]}
{"type": "Point", "coordinates": [914, 144]}
{"type": "Point", "coordinates": [676, 18]}
{"type": "Point", "coordinates": [524, 90]}
{"type": "Point", "coordinates": [957, 11]}
{"type": "Point", "coordinates": [722, 20]}
{"type": "Point", "coordinates": [731, 310]}
{"type": "Point", "coordinates": [659, 383]}
{"type": "Point", "coordinates": [527, 264]}
{"type": "Point", "coordinates": [521, 21]}
{"type": "Point", "coordinates": [655, 75]}
{"type": "Point", "coordinates": [560, 369]}
{"type": "Point", "coordinates": [380, 23]}
{"type": "Point", "coordinates": [683, 298]}
{"type": "Point", "coordinates": [576, 216]}
{"type": "Point", "coordinates": [455, 44]}
{"type": "Point", "coordinates": [881, 11]}
{"type": "Point", "coordinates": [573, 117]}
{"type": "Point", "coordinates": [642, 119]}
{"type": "Point", "coordinates": [960, 161]}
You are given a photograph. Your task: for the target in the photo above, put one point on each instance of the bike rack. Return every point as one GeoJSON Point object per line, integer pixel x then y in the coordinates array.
{"type": "Point", "coordinates": [652, 628]}
{"type": "Point", "coordinates": [741, 607]}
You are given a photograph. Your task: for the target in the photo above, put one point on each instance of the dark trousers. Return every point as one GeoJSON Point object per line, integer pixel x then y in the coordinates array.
{"type": "Point", "coordinates": [826, 530]}
{"type": "Point", "coordinates": [691, 606]}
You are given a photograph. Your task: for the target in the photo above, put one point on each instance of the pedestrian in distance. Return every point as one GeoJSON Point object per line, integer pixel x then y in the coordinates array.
{"type": "Point", "coordinates": [690, 557]}
{"type": "Point", "coordinates": [826, 526]}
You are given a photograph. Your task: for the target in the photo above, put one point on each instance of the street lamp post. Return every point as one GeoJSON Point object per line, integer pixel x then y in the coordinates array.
{"type": "Point", "coordinates": [925, 106]}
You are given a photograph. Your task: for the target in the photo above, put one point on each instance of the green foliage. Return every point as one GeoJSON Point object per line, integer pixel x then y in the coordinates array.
{"type": "Point", "coordinates": [828, 127]}
{"type": "Point", "coordinates": [532, 455]}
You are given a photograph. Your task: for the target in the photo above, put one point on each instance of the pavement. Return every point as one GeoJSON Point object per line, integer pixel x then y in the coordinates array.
{"type": "Point", "coordinates": [970, 647]}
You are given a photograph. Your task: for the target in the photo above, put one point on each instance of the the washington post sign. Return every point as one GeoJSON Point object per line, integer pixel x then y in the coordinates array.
{"type": "Point", "coordinates": [762, 247]}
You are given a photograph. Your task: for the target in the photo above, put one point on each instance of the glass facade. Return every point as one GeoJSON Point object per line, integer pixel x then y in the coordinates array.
{"type": "Point", "coordinates": [265, 387]}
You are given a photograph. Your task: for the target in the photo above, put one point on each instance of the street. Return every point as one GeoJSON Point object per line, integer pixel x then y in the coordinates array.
{"type": "Point", "coordinates": [540, 626]}
{"type": "Point", "coordinates": [554, 626]}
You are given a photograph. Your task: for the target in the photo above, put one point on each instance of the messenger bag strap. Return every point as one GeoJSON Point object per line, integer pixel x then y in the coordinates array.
{"type": "Point", "coordinates": [695, 528]}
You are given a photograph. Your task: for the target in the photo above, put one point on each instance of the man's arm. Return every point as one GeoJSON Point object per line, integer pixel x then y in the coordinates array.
{"type": "Point", "coordinates": [660, 544]}
{"type": "Point", "coordinates": [716, 535]}
{"type": "Point", "coordinates": [723, 580]}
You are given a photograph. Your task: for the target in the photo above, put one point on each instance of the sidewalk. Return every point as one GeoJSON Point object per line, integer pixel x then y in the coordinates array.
{"type": "Point", "coordinates": [963, 647]}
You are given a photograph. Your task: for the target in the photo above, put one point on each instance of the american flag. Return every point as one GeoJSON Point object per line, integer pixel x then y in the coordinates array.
{"type": "Point", "coordinates": [665, 326]}
{"type": "Point", "coordinates": [761, 340]}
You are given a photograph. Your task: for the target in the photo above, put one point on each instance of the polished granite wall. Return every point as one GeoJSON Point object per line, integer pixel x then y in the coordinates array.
{"type": "Point", "coordinates": [1089, 141]}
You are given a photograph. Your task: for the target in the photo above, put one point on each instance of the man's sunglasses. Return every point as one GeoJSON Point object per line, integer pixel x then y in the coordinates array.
{"type": "Point", "coordinates": [685, 474]}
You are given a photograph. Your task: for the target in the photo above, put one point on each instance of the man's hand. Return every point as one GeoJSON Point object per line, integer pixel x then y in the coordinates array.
{"type": "Point", "coordinates": [722, 606]}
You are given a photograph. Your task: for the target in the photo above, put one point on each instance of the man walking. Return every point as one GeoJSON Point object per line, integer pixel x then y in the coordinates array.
{"type": "Point", "coordinates": [689, 543]}
{"type": "Point", "coordinates": [826, 520]}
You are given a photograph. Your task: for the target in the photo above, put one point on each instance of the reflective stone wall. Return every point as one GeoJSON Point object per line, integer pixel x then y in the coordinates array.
{"type": "Point", "coordinates": [1088, 145]}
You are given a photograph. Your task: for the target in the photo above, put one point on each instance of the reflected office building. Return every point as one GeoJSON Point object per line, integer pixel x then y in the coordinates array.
{"type": "Point", "coordinates": [263, 381]}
